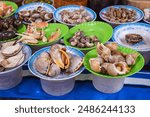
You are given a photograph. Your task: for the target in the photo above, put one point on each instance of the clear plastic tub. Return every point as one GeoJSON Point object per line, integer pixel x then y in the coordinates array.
{"type": "Point", "coordinates": [12, 77]}
{"type": "Point", "coordinates": [58, 88]}
{"type": "Point", "coordinates": [146, 55]}
{"type": "Point", "coordinates": [108, 85]}
{"type": "Point", "coordinates": [57, 85]}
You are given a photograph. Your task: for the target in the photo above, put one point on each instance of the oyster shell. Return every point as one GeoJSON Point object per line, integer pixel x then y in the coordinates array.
{"type": "Point", "coordinates": [118, 68]}
{"type": "Point", "coordinates": [59, 56]}
{"type": "Point", "coordinates": [13, 61]}
{"type": "Point", "coordinates": [12, 50]}
{"type": "Point", "coordinates": [75, 63]}
{"type": "Point", "coordinates": [95, 64]}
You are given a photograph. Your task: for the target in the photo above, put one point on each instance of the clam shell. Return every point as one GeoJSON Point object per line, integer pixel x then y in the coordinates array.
{"type": "Point", "coordinates": [58, 54]}
{"type": "Point", "coordinates": [14, 61]}
{"type": "Point", "coordinates": [12, 50]}
{"type": "Point", "coordinates": [54, 70]}
{"type": "Point", "coordinates": [75, 63]}
{"type": "Point", "coordinates": [43, 62]}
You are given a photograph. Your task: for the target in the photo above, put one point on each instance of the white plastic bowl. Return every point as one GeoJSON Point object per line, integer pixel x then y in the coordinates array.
{"type": "Point", "coordinates": [142, 29]}
{"type": "Point", "coordinates": [12, 77]}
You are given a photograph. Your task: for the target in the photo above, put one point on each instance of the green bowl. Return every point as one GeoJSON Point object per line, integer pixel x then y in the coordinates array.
{"type": "Point", "coordinates": [48, 31]}
{"type": "Point", "coordinates": [20, 30]}
{"type": "Point", "coordinates": [14, 5]}
{"type": "Point", "coordinates": [134, 69]}
{"type": "Point", "coordinates": [100, 29]}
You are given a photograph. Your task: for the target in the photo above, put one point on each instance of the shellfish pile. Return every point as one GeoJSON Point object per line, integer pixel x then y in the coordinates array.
{"type": "Point", "coordinates": [111, 61]}
{"type": "Point", "coordinates": [120, 15]}
{"type": "Point", "coordinates": [55, 61]}
{"type": "Point", "coordinates": [36, 15]}
{"type": "Point", "coordinates": [11, 55]}
{"type": "Point", "coordinates": [5, 9]}
{"type": "Point", "coordinates": [147, 14]}
{"type": "Point", "coordinates": [8, 28]}
{"type": "Point", "coordinates": [75, 17]}
{"type": "Point", "coordinates": [35, 33]}
{"type": "Point", "coordinates": [80, 40]}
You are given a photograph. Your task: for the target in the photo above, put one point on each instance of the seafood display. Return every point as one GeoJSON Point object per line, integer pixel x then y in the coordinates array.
{"type": "Point", "coordinates": [133, 38]}
{"type": "Point", "coordinates": [120, 15]}
{"type": "Point", "coordinates": [147, 14]}
{"type": "Point", "coordinates": [29, 1]}
{"type": "Point", "coordinates": [35, 33]}
{"type": "Point", "coordinates": [111, 61]}
{"type": "Point", "coordinates": [8, 28]}
{"type": "Point", "coordinates": [56, 61]}
{"type": "Point", "coordinates": [11, 55]}
{"type": "Point", "coordinates": [80, 40]}
{"type": "Point", "coordinates": [75, 17]}
{"type": "Point", "coordinates": [5, 10]}
{"type": "Point", "coordinates": [36, 15]}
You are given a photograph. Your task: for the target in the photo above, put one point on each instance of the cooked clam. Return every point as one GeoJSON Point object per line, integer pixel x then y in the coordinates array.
{"type": "Point", "coordinates": [54, 70]}
{"type": "Point", "coordinates": [56, 61]}
{"type": "Point", "coordinates": [76, 63]}
{"type": "Point", "coordinates": [43, 62]}
{"type": "Point", "coordinates": [12, 50]}
{"type": "Point", "coordinates": [13, 61]}
{"type": "Point", "coordinates": [60, 56]}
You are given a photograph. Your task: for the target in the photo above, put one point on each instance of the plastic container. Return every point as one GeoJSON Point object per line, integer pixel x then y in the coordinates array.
{"type": "Point", "coordinates": [111, 84]}
{"type": "Point", "coordinates": [58, 85]}
{"type": "Point", "coordinates": [146, 55]}
{"type": "Point", "coordinates": [13, 77]}
{"type": "Point", "coordinates": [58, 88]}
{"type": "Point", "coordinates": [142, 29]}
{"type": "Point", "coordinates": [108, 85]}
